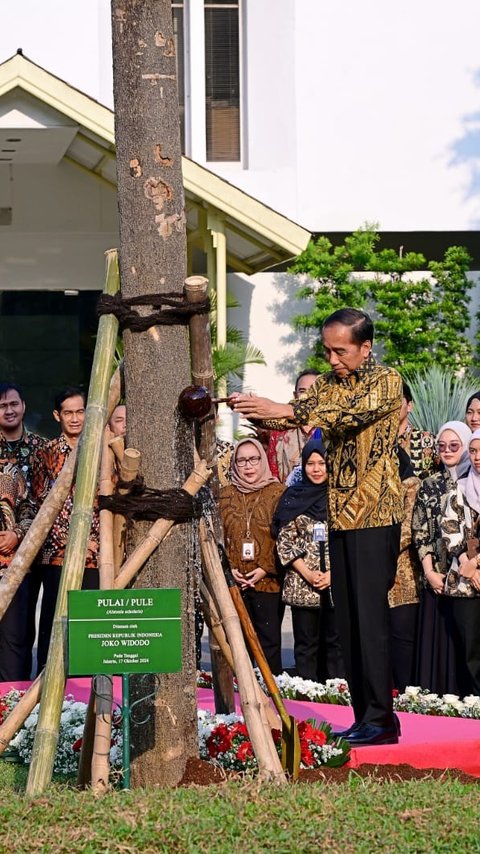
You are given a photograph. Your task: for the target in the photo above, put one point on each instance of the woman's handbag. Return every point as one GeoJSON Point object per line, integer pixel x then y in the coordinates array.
{"type": "Point", "coordinates": [299, 593]}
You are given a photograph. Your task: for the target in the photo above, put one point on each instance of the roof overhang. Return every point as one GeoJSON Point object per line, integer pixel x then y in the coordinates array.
{"type": "Point", "coordinates": [63, 123]}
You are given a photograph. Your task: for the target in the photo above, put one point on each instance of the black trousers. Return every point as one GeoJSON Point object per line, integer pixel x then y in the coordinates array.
{"type": "Point", "coordinates": [364, 564]}
{"type": "Point", "coordinates": [404, 624]}
{"type": "Point", "coordinates": [50, 576]}
{"type": "Point", "coordinates": [466, 619]}
{"type": "Point", "coordinates": [13, 636]}
{"type": "Point", "coordinates": [266, 612]}
{"type": "Point", "coordinates": [316, 642]}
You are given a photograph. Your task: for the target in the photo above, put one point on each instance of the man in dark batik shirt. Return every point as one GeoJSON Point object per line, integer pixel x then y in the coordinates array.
{"type": "Point", "coordinates": [17, 448]}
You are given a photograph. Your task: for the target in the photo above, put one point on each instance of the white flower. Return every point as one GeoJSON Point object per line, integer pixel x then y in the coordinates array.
{"type": "Point", "coordinates": [412, 691]}
{"type": "Point", "coordinates": [450, 698]}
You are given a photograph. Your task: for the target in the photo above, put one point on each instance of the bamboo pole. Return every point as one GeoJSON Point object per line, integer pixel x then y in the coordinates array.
{"type": "Point", "coordinates": [40, 527]}
{"type": "Point", "coordinates": [129, 468]}
{"type": "Point", "coordinates": [19, 714]}
{"type": "Point", "coordinates": [159, 530]}
{"type": "Point", "coordinates": [84, 773]}
{"type": "Point", "coordinates": [117, 445]}
{"type": "Point", "coordinates": [215, 624]}
{"type": "Point", "coordinates": [16, 718]}
{"type": "Point", "coordinates": [46, 735]}
{"type": "Point", "coordinates": [94, 765]}
{"type": "Point", "coordinates": [261, 738]}
{"type": "Point", "coordinates": [196, 290]}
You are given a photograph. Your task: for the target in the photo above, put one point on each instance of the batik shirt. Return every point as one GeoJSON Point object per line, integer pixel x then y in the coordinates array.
{"type": "Point", "coordinates": [458, 523]}
{"type": "Point", "coordinates": [48, 464]}
{"type": "Point", "coordinates": [359, 417]}
{"type": "Point", "coordinates": [427, 518]}
{"type": "Point", "coordinates": [420, 446]}
{"type": "Point", "coordinates": [21, 452]}
{"type": "Point", "coordinates": [16, 511]}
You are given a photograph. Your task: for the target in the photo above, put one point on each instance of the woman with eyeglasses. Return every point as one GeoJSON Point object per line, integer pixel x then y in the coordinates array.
{"type": "Point", "coordinates": [247, 505]}
{"type": "Point", "coordinates": [438, 659]}
{"type": "Point", "coordinates": [300, 526]}
{"type": "Point", "coordinates": [460, 527]}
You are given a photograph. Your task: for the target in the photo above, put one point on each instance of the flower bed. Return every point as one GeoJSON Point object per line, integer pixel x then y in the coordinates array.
{"type": "Point", "coordinates": [224, 740]}
{"type": "Point", "coordinates": [415, 699]}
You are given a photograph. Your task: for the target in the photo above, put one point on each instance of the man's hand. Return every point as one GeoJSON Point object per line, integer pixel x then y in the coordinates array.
{"type": "Point", "coordinates": [251, 406]}
{"type": "Point", "coordinates": [8, 542]}
{"type": "Point", "coordinates": [255, 575]}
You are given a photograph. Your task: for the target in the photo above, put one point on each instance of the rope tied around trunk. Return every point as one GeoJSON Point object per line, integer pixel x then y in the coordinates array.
{"type": "Point", "coordinates": [146, 504]}
{"type": "Point", "coordinates": [177, 311]}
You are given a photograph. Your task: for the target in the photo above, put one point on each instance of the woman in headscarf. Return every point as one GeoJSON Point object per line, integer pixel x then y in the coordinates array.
{"type": "Point", "coordinates": [460, 527]}
{"type": "Point", "coordinates": [437, 653]}
{"type": "Point", "coordinates": [472, 411]}
{"type": "Point", "coordinates": [246, 507]}
{"type": "Point", "coordinates": [300, 525]}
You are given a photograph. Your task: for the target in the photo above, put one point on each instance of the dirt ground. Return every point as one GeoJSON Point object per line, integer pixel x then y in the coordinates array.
{"type": "Point", "coordinates": [201, 773]}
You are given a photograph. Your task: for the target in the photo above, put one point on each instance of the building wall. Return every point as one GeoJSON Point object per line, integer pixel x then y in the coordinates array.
{"type": "Point", "coordinates": [351, 111]}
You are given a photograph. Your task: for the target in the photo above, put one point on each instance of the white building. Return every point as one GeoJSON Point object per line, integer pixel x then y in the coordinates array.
{"type": "Point", "coordinates": [332, 114]}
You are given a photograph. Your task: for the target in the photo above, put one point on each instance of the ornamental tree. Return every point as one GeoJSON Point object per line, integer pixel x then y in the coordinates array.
{"type": "Point", "coordinates": [420, 307]}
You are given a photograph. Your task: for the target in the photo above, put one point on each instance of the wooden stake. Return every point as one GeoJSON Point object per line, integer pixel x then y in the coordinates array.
{"type": "Point", "coordinates": [158, 531]}
{"type": "Point", "coordinates": [129, 468]}
{"type": "Point", "coordinates": [215, 624]}
{"type": "Point", "coordinates": [46, 735]}
{"type": "Point", "coordinates": [19, 714]}
{"type": "Point", "coordinates": [262, 742]}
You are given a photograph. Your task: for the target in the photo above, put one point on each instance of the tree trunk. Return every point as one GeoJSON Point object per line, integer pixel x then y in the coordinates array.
{"type": "Point", "coordinates": [153, 260]}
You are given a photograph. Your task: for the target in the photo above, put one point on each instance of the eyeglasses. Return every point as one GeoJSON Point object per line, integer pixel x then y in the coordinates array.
{"type": "Point", "coordinates": [242, 461]}
{"type": "Point", "coordinates": [448, 446]}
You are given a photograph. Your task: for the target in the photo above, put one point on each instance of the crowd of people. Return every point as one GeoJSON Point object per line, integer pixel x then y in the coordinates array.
{"type": "Point", "coordinates": [335, 506]}
{"type": "Point", "coordinates": [29, 466]}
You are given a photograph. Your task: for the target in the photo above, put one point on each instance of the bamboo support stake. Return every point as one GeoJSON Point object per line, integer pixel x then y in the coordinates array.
{"type": "Point", "coordinates": [117, 444]}
{"type": "Point", "coordinates": [129, 468]}
{"type": "Point", "coordinates": [46, 735]}
{"type": "Point", "coordinates": [17, 717]}
{"type": "Point", "coordinates": [94, 765]}
{"type": "Point", "coordinates": [20, 712]}
{"type": "Point", "coordinates": [215, 624]}
{"type": "Point", "coordinates": [38, 531]}
{"type": "Point", "coordinates": [159, 530]}
{"type": "Point", "coordinates": [196, 290]}
{"type": "Point", "coordinates": [84, 773]}
{"type": "Point", "coordinates": [262, 742]}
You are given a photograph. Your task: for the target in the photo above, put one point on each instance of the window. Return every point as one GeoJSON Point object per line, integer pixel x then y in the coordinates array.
{"type": "Point", "coordinates": [222, 80]}
{"type": "Point", "coordinates": [178, 35]}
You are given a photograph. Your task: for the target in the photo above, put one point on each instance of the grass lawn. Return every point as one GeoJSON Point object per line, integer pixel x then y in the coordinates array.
{"type": "Point", "coordinates": [361, 815]}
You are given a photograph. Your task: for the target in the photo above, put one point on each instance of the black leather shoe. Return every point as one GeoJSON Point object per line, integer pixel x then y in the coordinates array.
{"type": "Point", "coordinates": [344, 733]}
{"type": "Point", "coordinates": [369, 734]}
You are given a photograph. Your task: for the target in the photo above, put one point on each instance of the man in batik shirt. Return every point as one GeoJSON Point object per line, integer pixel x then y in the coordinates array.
{"type": "Point", "coordinates": [357, 407]}
{"type": "Point", "coordinates": [17, 448]}
{"type": "Point", "coordinates": [69, 411]}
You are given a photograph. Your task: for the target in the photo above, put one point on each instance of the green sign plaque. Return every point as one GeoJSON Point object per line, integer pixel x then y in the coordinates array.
{"type": "Point", "coordinates": [124, 631]}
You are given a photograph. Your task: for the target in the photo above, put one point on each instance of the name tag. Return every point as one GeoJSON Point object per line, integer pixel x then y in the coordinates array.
{"type": "Point", "coordinates": [319, 532]}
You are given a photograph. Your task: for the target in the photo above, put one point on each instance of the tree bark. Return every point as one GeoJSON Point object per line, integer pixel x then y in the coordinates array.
{"type": "Point", "coordinates": [152, 261]}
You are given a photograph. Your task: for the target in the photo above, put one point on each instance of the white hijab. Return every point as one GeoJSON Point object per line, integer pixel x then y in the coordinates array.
{"type": "Point", "coordinates": [471, 485]}
{"type": "Point", "coordinates": [464, 434]}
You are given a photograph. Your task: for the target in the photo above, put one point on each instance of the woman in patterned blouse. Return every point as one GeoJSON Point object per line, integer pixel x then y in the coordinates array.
{"type": "Point", "coordinates": [459, 524]}
{"type": "Point", "coordinates": [300, 525]}
{"type": "Point", "coordinates": [437, 664]}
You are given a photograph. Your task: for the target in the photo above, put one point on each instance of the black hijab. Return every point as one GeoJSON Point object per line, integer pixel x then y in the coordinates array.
{"type": "Point", "coordinates": [304, 498]}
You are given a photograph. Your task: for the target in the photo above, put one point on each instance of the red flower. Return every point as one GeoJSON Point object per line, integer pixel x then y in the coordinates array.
{"type": "Point", "coordinates": [77, 745]}
{"type": "Point", "coordinates": [277, 736]}
{"type": "Point", "coordinates": [395, 692]}
{"type": "Point", "coordinates": [318, 736]}
{"type": "Point", "coordinates": [244, 751]}
{"type": "Point", "coordinates": [307, 756]}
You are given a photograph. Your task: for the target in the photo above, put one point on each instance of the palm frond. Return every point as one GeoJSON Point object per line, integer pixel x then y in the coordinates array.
{"type": "Point", "coordinates": [439, 396]}
{"type": "Point", "coordinates": [231, 359]}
